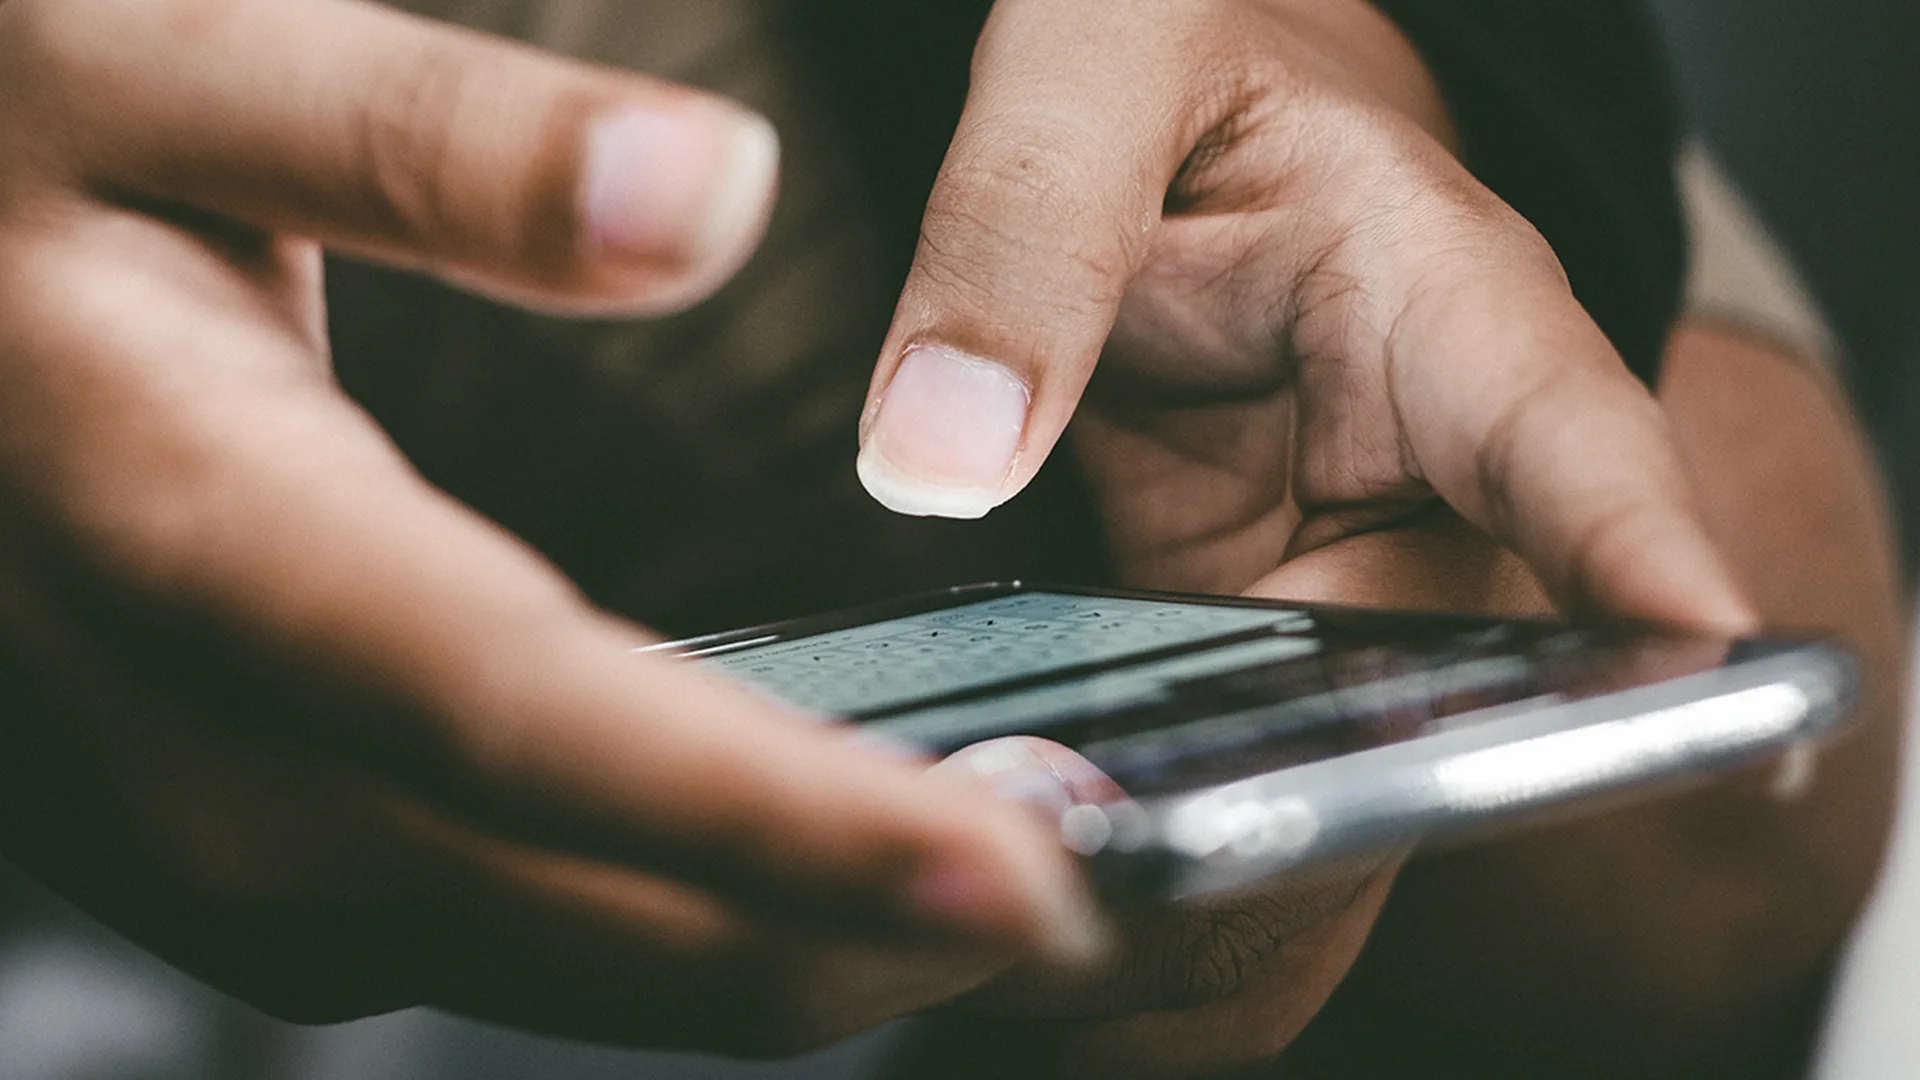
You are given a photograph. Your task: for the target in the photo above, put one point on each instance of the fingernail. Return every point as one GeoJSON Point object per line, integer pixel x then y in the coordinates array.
{"type": "Point", "coordinates": [689, 184]}
{"type": "Point", "coordinates": [946, 434]}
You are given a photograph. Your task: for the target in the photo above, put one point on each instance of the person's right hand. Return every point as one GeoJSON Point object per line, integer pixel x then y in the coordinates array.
{"type": "Point", "coordinates": [275, 709]}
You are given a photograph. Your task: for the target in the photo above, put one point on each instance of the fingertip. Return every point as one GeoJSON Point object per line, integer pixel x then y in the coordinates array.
{"type": "Point", "coordinates": [681, 192]}
{"type": "Point", "coordinates": [1728, 613]}
{"type": "Point", "coordinates": [904, 493]}
{"type": "Point", "coordinates": [1010, 877]}
{"type": "Point", "coordinates": [747, 185]}
{"type": "Point", "coordinates": [739, 210]}
{"type": "Point", "coordinates": [946, 434]}
{"type": "Point", "coordinates": [1049, 781]}
{"type": "Point", "coordinates": [1674, 576]}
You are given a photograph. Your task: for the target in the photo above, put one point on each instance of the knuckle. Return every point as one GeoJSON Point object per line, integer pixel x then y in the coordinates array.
{"type": "Point", "coordinates": [1503, 237]}
{"type": "Point", "coordinates": [1608, 547]}
{"type": "Point", "coordinates": [1386, 181]}
{"type": "Point", "coordinates": [1029, 172]}
{"type": "Point", "coordinates": [407, 139]}
{"type": "Point", "coordinates": [1019, 203]}
{"type": "Point", "coordinates": [1507, 445]}
{"type": "Point", "coordinates": [1479, 233]}
{"type": "Point", "coordinates": [471, 154]}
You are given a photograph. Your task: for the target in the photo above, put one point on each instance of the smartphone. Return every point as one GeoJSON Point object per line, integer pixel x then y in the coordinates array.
{"type": "Point", "coordinates": [1254, 737]}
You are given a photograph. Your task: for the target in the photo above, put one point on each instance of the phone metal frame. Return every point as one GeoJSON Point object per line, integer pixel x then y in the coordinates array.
{"type": "Point", "coordinates": [1455, 781]}
{"type": "Point", "coordinates": [1449, 781]}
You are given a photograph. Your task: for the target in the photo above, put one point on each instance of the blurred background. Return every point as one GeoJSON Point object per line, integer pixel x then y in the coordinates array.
{"type": "Point", "coordinates": [1813, 108]}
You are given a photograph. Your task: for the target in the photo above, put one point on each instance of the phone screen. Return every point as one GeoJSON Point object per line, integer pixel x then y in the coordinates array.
{"type": "Point", "coordinates": [1171, 694]}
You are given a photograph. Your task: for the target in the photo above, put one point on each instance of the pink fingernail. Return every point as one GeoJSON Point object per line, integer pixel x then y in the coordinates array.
{"type": "Point", "coordinates": [689, 183]}
{"type": "Point", "coordinates": [945, 438]}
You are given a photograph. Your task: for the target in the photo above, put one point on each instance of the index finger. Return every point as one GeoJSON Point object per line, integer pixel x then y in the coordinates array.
{"type": "Point", "coordinates": [1042, 213]}
{"type": "Point", "coordinates": [1517, 410]}
{"type": "Point", "coordinates": [385, 134]}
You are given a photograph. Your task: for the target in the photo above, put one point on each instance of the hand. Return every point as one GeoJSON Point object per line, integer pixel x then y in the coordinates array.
{"type": "Point", "coordinates": [1791, 493]}
{"type": "Point", "coordinates": [1669, 981]}
{"type": "Point", "coordinates": [280, 712]}
{"type": "Point", "coordinates": [1310, 320]}
{"type": "Point", "coordinates": [1320, 346]}
{"type": "Point", "coordinates": [1219, 985]}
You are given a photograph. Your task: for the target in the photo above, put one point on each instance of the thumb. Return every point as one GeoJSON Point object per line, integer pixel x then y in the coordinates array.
{"type": "Point", "coordinates": [1041, 216]}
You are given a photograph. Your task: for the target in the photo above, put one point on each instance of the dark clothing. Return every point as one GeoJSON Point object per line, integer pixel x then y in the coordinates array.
{"type": "Point", "coordinates": [1566, 113]}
